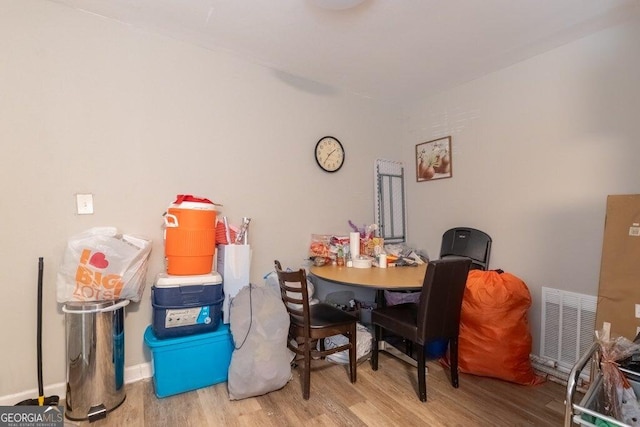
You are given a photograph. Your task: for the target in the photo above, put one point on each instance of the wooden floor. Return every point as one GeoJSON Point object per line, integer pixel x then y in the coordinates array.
{"type": "Point", "coordinates": [386, 397]}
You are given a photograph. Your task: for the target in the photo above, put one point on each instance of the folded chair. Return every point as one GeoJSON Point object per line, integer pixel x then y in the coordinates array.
{"type": "Point", "coordinates": [468, 242]}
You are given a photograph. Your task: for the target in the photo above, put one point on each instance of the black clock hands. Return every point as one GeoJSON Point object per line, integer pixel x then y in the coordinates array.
{"type": "Point", "coordinates": [329, 155]}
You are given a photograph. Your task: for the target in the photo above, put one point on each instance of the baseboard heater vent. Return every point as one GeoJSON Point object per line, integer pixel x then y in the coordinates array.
{"type": "Point", "coordinates": [568, 324]}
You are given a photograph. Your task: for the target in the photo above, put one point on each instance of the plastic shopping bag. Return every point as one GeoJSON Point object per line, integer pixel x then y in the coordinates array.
{"type": "Point", "coordinates": [99, 264]}
{"type": "Point", "coordinates": [620, 400]}
{"type": "Point", "coordinates": [363, 345]}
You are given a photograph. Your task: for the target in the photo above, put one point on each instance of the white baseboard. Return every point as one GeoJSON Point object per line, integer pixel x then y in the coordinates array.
{"type": "Point", "coordinates": [138, 372]}
{"type": "Point", "coordinates": [131, 375]}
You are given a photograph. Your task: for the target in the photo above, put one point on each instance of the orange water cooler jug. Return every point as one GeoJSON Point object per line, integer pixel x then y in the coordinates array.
{"type": "Point", "coordinates": [190, 236]}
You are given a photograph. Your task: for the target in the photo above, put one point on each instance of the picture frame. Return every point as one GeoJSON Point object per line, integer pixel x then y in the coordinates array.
{"type": "Point", "coordinates": [434, 160]}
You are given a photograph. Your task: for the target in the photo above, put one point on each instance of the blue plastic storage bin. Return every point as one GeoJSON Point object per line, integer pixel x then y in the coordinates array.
{"type": "Point", "coordinates": [186, 305]}
{"type": "Point", "coordinates": [189, 363]}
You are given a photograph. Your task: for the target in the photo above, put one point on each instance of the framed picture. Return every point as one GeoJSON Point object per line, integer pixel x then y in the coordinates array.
{"type": "Point", "coordinates": [433, 160]}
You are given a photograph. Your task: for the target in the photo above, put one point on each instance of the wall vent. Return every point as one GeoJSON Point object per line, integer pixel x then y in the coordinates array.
{"type": "Point", "coordinates": [568, 325]}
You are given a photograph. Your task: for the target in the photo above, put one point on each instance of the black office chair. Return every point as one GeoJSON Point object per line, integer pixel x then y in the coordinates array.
{"type": "Point", "coordinates": [435, 317]}
{"type": "Point", "coordinates": [467, 242]}
{"type": "Point", "coordinates": [313, 323]}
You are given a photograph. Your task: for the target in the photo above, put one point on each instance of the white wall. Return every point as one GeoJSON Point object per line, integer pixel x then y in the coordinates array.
{"type": "Point", "coordinates": [90, 105]}
{"type": "Point", "coordinates": [537, 147]}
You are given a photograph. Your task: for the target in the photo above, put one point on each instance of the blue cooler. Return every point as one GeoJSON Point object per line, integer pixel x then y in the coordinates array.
{"type": "Point", "coordinates": [189, 363]}
{"type": "Point", "coordinates": [186, 305]}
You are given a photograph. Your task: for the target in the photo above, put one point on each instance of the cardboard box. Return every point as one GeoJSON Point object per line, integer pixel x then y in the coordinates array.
{"type": "Point", "coordinates": [619, 288]}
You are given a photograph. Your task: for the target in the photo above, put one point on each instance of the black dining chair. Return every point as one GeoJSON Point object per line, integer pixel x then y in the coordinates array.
{"type": "Point", "coordinates": [311, 324]}
{"type": "Point", "coordinates": [436, 316]}
{"type": "Point", "coordinates": [467, 242]}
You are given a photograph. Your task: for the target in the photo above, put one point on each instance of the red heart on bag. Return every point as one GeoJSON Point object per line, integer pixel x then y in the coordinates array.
{"type": "Point", "coordinates": [98, 260]}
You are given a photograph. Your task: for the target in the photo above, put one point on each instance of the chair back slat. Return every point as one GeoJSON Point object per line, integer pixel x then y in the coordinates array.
{"type": "Point", "coordinates": [441, 298]}
{"type": "Point", "coordinates": [294, 293]}
{"type": "Point", "coordinates": [467, 242]}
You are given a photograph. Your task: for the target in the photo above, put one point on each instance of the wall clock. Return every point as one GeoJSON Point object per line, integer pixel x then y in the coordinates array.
{"type": "Point", "coordinates": [329, 154]}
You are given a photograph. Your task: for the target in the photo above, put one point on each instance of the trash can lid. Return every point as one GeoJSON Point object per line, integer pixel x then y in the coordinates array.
{"type": "Point", "coordinates": [90, 306]}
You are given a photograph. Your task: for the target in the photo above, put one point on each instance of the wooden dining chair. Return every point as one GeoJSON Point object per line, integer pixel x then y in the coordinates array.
{"type": "Point", "coordinates": [436, 316]}
{"type": "Point", "coordinates": [311, 324]}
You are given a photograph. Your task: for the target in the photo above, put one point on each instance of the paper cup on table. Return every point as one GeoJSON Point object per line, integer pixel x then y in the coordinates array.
{"type": "Point", "coordinates": [354, 244]}
{"type": "Point", "coordinates": [382, 261]}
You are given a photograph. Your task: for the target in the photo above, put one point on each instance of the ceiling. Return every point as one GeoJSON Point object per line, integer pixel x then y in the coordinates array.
{"type": "Point", "coordinates": [390, 50]}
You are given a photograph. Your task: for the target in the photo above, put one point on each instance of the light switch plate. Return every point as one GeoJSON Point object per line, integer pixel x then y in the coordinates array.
{"type": "Point", "coordinates": [84, 204]}
{"type": "Point", "coordinates": [637, 311]}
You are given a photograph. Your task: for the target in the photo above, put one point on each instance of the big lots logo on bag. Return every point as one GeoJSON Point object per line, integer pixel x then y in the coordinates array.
{"type": "Point", "coordinates": [91, 284]}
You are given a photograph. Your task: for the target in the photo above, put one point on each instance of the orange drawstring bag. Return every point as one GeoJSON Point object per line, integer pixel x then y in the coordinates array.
{"type": "Point", "coordinates": [494, 339]}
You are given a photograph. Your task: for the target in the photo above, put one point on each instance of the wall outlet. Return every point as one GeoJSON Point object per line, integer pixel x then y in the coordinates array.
{"type": "Point", "coordinates": [637, 311]}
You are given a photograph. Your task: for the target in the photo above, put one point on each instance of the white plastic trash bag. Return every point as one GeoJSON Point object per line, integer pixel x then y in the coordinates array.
{"type": "Point", "coordinates": [261, 361]}
{"type": "Point", "coordinates": [99, 264]}
{"type": "Point", "coordinates": [363, 345]}
{"type": "Point", "coordinates": [271, 282]}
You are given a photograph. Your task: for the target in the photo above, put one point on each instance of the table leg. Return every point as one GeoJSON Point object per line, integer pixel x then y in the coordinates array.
{"type": "Point", "coordinates": [380, 302]}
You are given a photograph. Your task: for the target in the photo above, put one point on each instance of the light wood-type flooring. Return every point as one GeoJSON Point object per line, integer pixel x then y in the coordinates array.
{"type": "Point", "coordinates": [386, 397]}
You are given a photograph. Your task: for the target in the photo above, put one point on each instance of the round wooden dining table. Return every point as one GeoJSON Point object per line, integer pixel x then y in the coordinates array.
{"type": "Point", "coordinates": [403, 278]}
{"type": "Point", "coordinates": [390, 278]}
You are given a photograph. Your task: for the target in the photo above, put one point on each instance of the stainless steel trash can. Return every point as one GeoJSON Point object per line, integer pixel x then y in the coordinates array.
{"type": "Point", "coordinates": [95, 358]}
